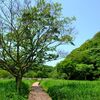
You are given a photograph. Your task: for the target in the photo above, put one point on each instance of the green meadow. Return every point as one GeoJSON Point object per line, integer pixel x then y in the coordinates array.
{"type": "Point", "coordinates": [57, 89]}
{"type": "Point", "coordinates": [8, 89]}
{"type": "Point", "coordinates": [72, 90]}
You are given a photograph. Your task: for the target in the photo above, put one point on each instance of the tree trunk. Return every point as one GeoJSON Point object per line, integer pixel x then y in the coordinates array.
{"type": "Point", "coordinates": [18, 84]}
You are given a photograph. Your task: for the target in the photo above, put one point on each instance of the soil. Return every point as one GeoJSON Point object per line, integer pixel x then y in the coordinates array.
{"type": "Point", "coordinates": [37, 93]}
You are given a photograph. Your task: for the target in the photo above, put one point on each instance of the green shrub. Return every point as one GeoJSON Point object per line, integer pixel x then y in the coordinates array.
{"type": "Point", "coordinates": [5, 74]}
{"type": "Point", "coordinates": [30, 74]}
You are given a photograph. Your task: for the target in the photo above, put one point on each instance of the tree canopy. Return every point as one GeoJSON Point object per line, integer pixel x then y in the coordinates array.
{"type": "Point", "coordinates": [30, 34]}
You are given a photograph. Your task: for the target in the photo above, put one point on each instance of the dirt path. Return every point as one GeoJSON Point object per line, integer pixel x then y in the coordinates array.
{"type": "Point", "coordinates": [37, 93]}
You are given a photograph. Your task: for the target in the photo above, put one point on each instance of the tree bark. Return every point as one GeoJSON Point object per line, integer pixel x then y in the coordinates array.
{"type": "Point", "coordinates": [18, 84]}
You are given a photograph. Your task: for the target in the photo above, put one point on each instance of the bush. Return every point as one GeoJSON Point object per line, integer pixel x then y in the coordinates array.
{"type": "Point", "coordinates": [30, 74]}
{"type": "Point", "coordinates": [5, 74]}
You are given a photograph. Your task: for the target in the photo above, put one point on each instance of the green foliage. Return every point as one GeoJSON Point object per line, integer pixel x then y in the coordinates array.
{"type": "Point", "coordinates": [5, 74]}
{"type": "Point", "coordinates": [54, 73]}
{"type": "Point", "coordinates": [30, 74]}
{"type": "Point", "coordinates": [72, 90]}
{"type": "Point", "coordinates": [83, 62]}
{"type": "Point", "coordinates": [42, 71]}
{"type": "Point", "coordinates": [97, 36]}
{"type": "Point", "coordinates": [30, 34]}
{"type": "Point", "coordinates": [64, 67]}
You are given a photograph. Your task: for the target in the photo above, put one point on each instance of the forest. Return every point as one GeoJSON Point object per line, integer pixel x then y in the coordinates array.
{"type": "Point", "coordinates": [83, 63]}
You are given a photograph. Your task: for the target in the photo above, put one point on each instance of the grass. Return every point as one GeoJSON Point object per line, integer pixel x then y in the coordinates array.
{"type": "Point", "coordinates": [57, 89]}
{"type": "Point", "coordinates": [72, 90]}
{"type": "Point", "coordinates": [8, 90]}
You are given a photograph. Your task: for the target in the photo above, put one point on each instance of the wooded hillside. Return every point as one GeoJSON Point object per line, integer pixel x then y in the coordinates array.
{"type": "Point", "coordinates": [83, 62]}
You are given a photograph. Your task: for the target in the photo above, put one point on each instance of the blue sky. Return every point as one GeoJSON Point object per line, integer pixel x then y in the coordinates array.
{"type": "Point", "coordinates": [87, 23]}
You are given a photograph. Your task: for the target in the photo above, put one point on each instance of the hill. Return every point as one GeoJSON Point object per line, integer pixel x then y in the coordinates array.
{"type": "Point", "coordinates": [83, 62]}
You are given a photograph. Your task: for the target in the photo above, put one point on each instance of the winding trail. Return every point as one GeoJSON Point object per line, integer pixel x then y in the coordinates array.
{"type": "Point", "coordinates": [37, 93]}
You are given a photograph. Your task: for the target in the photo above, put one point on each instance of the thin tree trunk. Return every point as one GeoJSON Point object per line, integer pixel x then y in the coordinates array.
{"type": "Point", "coordinates": [18, 84]}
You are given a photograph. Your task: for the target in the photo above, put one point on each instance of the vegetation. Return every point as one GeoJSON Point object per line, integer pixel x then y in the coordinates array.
{"type": "Point", "coordinates": [82, 63]}
{"type": "Point", "coordinates": [42, 71]}
{"type": "Point", "coordinates": [72, 90]}
{"type": "Point", "coordinates": [5, 74]}
{"type": "Point", "coordinates": [29, 35]}
{"type": "Point", "coordinates": [8, 90]}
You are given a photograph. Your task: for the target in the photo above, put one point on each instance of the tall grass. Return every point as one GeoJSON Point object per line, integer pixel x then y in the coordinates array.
{"type": "Point", "coordinates": [8, 89]}
{"type": "Point", "coordinates": [72, 90]}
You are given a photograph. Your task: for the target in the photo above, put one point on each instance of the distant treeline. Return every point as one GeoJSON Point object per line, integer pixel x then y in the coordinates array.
{"type": "Point", "coordinates": [82, 63]}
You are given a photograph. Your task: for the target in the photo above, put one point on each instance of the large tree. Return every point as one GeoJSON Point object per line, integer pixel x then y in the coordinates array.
{"type": "Point", "coordinates": [29, 35]}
